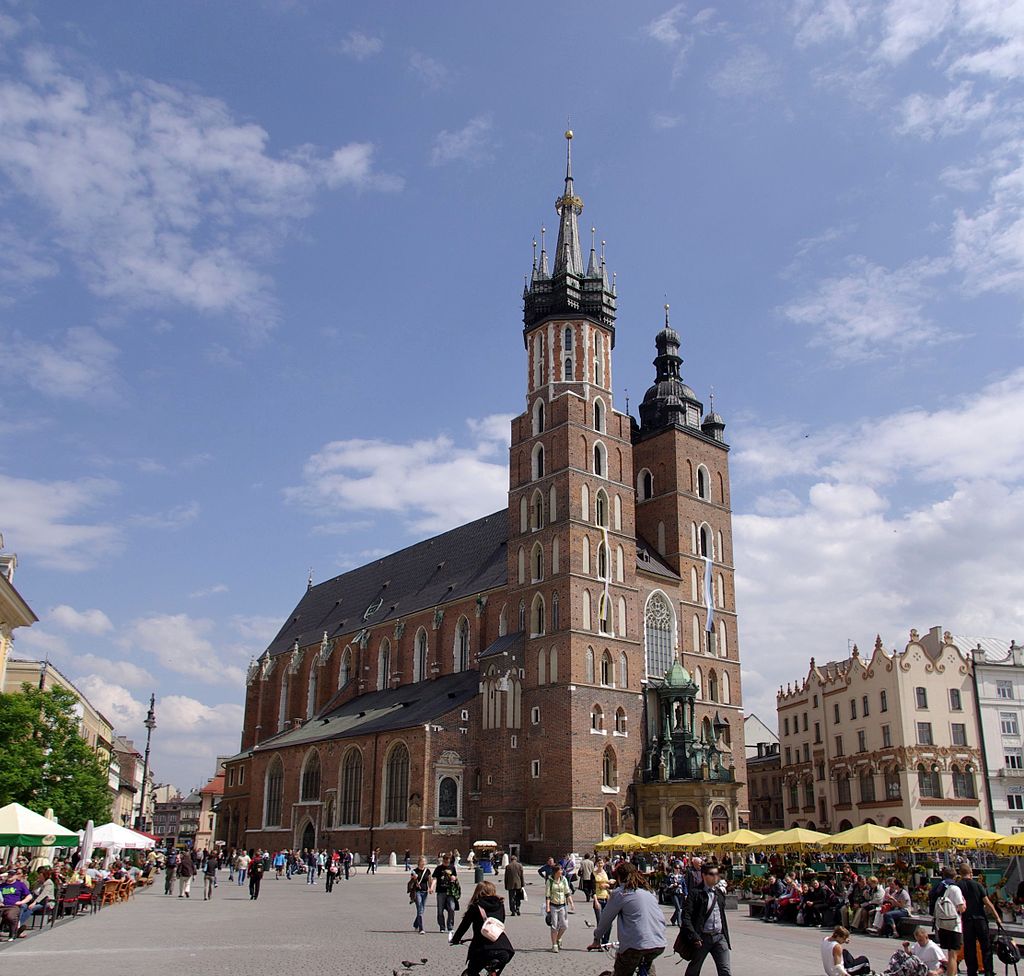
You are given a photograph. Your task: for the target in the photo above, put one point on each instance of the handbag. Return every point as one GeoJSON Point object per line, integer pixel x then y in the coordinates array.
{"type": "Point", "coordinates": [492, 928]}
{"type": "Point", "coordinates": [684, 946]}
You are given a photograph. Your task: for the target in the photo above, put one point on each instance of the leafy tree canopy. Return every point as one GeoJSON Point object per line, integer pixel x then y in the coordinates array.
{"type": "Point", "coordinates": [45, 762]}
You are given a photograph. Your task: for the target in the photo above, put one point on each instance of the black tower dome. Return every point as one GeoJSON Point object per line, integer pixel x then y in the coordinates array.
{"type": "Point", "coordinates": [669, 402]}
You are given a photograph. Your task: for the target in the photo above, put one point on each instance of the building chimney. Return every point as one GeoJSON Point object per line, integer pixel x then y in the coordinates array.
{"type": "Point", "coordinates": [1017, 652]}
{"type": "Point", "coordinates": [8, 563]}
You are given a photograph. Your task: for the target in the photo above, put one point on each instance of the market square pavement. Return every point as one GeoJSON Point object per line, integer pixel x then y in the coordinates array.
{"type": "Point", "coordinates": [363, 927]}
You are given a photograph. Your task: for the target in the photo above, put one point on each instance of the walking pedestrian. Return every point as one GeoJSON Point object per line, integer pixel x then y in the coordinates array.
{"type": "Point", "coordinates": [948, 905]}
{"type": "Point", "coordinates": [705, 928]}
{"type": "Point", "coordinates": [421, 883]}
{"type": "Point", "coordinates": [557, 902]}
{"type": "Point", "coordinates": [975, 924]}
{"type": "Point", "coordinates": [641, 923]}
{"type": "Point", "coordinates": [677, 891]}
{"type": "Point", "coordinates": [241, 866]}
{"type": "Point", "coordinates": [170, 871]}
{"type": "Point", "coordinates": [514, 884]}
{"type": "Point", "coordinates": [186, 872]}
{"type": "Point", "coordinates": [487, 952]}
{"type": "Point", "coordinates": [371, 862]}
{"type": "Point", "coordinates": [255, 877]}
{"type": "Point", "coordinates": [346, 861]}
{"type": "Point", "coordinates": [279, 862]}
{"type": "Point", "coordinates": [408, 863]}
{"type": "Point", "coordinates": [602, 892]}
{"type": "Point", "coordinates": [587, 866]}
{"type": "Point", "coordinates": [209, 878]}
{"type": "Point", "coordinates": [446, 884]}
{"type": "Point", "coordinates": [310, 867]}
{"type": "Point", "coordinates": [231, 865]}
{"type": "Point", "coordinates": [332, 875]}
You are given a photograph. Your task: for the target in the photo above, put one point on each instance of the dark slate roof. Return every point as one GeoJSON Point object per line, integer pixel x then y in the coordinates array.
{"type": "Point", "coordinates": [504, 644]}
{"type": "Point", "coordinates": [649, 561]}
{"type": "Point", "coordinates": [383, 711]}
{"type": "Point", "coordinates": [450, 566]}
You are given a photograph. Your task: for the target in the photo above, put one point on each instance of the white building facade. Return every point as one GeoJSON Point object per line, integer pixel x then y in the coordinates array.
{"type": "Point", "coordinates": [999, 672]}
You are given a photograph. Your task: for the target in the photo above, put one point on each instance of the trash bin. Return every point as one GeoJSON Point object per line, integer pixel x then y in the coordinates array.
{"type": "Point", "coordinates": [478, 874]}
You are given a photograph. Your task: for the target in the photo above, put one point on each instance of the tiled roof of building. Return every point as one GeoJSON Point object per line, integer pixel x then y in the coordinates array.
{"type": "Point", "coordinates": [997, 651]}
{"type": "Point", "coordinates": [215, 786]}
{"type": "Point", "coordinates": [648, 561]}
{"type": "Point", "coordinates": [467, 560]}
{"type": "Point", "coordinates": [504, 644]}
{"type": "Point", "coordinates": [383, 711]}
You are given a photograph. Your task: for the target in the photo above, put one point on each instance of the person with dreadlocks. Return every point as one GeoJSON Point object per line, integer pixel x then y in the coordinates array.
{"type": "Point", "coordinates": [641, 923]}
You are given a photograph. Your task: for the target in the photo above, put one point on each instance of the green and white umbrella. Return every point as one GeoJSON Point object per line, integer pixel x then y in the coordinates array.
{"type": "Point", "coordinates": [20, 827]}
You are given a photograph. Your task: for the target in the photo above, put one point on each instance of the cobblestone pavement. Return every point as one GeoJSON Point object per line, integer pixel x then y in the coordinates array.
{"type": "Point", "coordinates": [364, 927]}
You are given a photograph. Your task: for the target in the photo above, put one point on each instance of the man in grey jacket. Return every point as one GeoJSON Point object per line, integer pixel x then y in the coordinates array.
{"type": "Point", "coordinates": [641, 923]}
{"type": "Point", "coordinates": [514, 884]}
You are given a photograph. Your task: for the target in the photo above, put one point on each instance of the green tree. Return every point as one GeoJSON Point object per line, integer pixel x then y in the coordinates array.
{"type": "Point", "coordinates": [45, 762]}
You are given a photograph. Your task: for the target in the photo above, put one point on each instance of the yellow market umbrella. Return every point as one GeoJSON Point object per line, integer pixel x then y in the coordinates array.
{"type": "Point", "coordinates": [1012, 846]}
{"type": "Point", "coordinates": [945, 835]}
{"type": "Point", "coordinates": [866, 837]}
{"type": "Point", "coordinates": [659, 842]}
{"type": "Point", "coordinates": [621, 842]}
{"type": "Point", "coordinates": [735, 840]}
{"type": "Point", "coordinates": [698, 840]}
{"type": "Point", "coordinates": [794, 840]}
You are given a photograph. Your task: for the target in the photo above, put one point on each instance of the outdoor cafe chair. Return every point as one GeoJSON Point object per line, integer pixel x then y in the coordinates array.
{"type": "Point", "coordinates": [111, 890]}
{"type": "Point", "coordinates": [67, 902]}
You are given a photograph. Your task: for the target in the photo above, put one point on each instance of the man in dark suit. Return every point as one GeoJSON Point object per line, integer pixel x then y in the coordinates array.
{"type": "Point", "coordinates": [705, 928]}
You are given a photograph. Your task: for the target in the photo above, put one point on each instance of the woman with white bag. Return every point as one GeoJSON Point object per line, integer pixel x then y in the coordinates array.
{"type": "Point", "coordinates": [490, 949]}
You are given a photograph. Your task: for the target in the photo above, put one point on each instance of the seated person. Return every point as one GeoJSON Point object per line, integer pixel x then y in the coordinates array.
{"type": "Point", "coordinates": [874, 896]}
{"type": "Point", "coordinates": [773, 891]}
{"type": "Point", "coordinates": [895, 906]}
{"type": "Point", "coordinates": [927, 951]}
{"type": "Point", "coordinates": [837, 960]}
{"type": "Point", "coordinates": [855, 897]}
{"type": "Point", "coordinates": [42, 895]}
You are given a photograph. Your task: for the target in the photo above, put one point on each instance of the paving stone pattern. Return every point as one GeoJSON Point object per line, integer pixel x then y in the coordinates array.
{"type": "Point", "coordinates": [364, 927]}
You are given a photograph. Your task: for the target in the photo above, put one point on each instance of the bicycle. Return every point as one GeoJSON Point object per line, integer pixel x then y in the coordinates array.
{"type": "Point", "coordinates": [610, 947]}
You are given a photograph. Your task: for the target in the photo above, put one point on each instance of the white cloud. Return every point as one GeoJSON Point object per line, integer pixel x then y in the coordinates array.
{"type": "Point", "coordinates": [23, 261]}
{"type": "Point", "coordinates": [817, 22]}
{"type": "Point", "coordinates": [114, 701]}
{"type": "Point", "coordinates": [352, 165]}
{"type": "Point", "coordinates": [928, 116]}
{"type": "Point", "coordinates": [665, 27]}
{"type": "Point", "coordinates": [872, 310]}
{"type": "Point", "coordinates": [908, 25]}
{"type": "Point", "coordinates": [209, 591]}
{"type": "Point", "coordinates": [44, 520]}
{"type": "Point", "coordinates": [470, 144]}
{"type": "Point", "coordinates": [124, 672]}
{"type": "Point", "coordinates": [988, 244]}
{"type": "Point", "coordinates": [171, 520]}
{"type": "Point", "coordinates": [433, 484]}
{"type": "Point", "coordinates": [158, 194]}
{"type": "Point", "coordinates": [182, 645]}
{"type": "Point", "coordinates": [431, 72]}
{"type": "Point", "coordinates": [665, 120]}
{"type": "Point", "coordinates": [258, 628]}
{"type": "Point", "coordinates": [749, 73]}
{"type": "Point", "coordinates": [902, 521]}
{"type": "Point", "coordinates": [361, 46]}
{"type": "Point", "coordinates": [79, 366]}
{"type": "Point", "coordinates": [998, 28]}
{"type": "Point", "coordinates": [93, 621]}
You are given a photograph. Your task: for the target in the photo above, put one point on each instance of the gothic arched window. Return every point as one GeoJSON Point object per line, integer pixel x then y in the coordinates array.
{"type": "Point", "coordinates": [537, 563]}
{"type": "Point", "coordinates": [538, 461]}
{"type": "Point", "coordinates": [537, 510]}
{"type": "Point", "coordinates": [590, 665]}
{"type": "Point", "coordinates": [538, 417]}
{"type": "Point", "coordinates": [311, 689]}
{"type": "Point", "coordinates": [448, 800]}
{"type": "Point", "coordinates": [599, 416]}
{"type": "Point", "coordinates": [345, 670]}
{"type": "Point", "coordinates": [462, 645]}
{"type": "Point", "coordinates": [658, 631]}
{"type": "Point", "coordinates": [419, 661]}
{"type": "Point", "coordinates": [601, 508]}
{"type": "Point", "coordinates": [273, 791]}
{"type": "Point", "coordinates": [384, 665]}
{"type": "Point", "coordinates": [310, 782]}
{"type": "Point", "coordinates": [537, 616]}
{"type": "Point", "coordinates": [607, 669]}
{"type": "Point", "coordinates": [351, 787]}
{"type": "Point", "coordinates": [645, 484]}
{"type": "Point", "coordinates": [600, 460]}
{"type": "Point", "coordinates": [522, 615]}
{"type": "Point", "coordinates": [609, 769]}
{"type": "Point", "coordinates": [396, 785]}
{"type": "Point", "coordinates": [703, 482]}
{"type": "Point", "coordinates": [555, 622]}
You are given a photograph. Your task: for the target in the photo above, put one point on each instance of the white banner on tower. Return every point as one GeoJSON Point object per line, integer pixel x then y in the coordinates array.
{"type": "Point", "coordinates": [709, 593]}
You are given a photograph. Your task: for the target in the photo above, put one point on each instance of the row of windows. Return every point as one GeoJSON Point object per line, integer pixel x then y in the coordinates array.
{"type": "Point", "coordinates": [538, 563]}
{"type": "Point", "coordinates": [566, 357]}
{"type": "Point", "coordinates": [532, 514]}
{"type": "Point", "coordinates": [538, 416]}
{"type": "Point", "coordinates": [701, 485]}
{"type": "Point", "coordinates": [928, 780]}
{"type": "Point", "coordinates": [599, 461]}
{"type": "Point", "coordinates": [920, 699]}
{"type": "Point", "coordinates": [395, 792]}
{"type": "Point", "coordinates": [958, 737]}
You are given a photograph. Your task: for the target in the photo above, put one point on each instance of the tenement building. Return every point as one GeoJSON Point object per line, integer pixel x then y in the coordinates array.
{"type": "Point", "coordinates": [545, 676]}
{"type": "Point", "coordinates": [890, 739]}
{"type": "Point", "coordinates": [999, 673]}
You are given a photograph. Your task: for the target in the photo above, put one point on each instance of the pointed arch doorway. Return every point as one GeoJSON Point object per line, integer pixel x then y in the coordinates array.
{"type": "Point", "coordinates": [309, 836]}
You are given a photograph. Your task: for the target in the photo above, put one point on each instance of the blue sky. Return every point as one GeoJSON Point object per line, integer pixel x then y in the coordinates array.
{"type": "Point", "coordinates": [260, 275]}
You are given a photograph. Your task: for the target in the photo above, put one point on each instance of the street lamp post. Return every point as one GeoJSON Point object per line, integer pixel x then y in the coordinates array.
{"type": "Point", "coordinates": [150, 724]}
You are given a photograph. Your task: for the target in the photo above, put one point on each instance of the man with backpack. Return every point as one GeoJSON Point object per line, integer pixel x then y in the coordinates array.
{"type": "Point", "coordinates": [946, 901]}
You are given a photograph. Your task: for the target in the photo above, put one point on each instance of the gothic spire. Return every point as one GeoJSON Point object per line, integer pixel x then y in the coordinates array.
{"type": "Point", "coordinates": [568, 257]}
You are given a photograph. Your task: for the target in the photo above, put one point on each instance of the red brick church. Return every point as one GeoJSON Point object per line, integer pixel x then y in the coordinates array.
{"type": "Point", "coordinates": [542, 677]}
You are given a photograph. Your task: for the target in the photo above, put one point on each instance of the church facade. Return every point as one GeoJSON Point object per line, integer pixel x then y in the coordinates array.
{"type": "Point", "coordinates": [542, 677]}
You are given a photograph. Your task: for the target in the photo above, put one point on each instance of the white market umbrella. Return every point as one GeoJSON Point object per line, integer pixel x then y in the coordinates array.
{"type": "Point", "coordinates": [44, 858]}
{"type": "Point", "coordinates": [20, 827]}
{"type": "Point", "coordinates": [110, 835]}
{"type": "Point", "coordinates": [87, 846]}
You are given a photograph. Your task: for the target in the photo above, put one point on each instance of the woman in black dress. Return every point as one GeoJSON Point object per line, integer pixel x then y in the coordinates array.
{"type": "Point", "coordinates": [484, 955]}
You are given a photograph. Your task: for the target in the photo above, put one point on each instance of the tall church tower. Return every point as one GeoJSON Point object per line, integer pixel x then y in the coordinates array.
{"type": "Point", "coordinates": [572, 552]}
{"type": "Point", "coordinates": [683, 511]}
